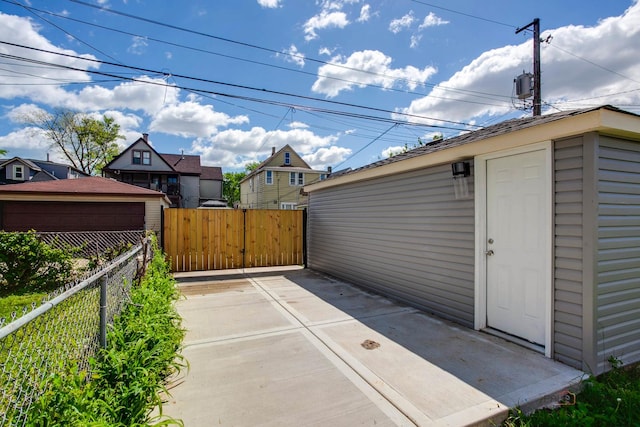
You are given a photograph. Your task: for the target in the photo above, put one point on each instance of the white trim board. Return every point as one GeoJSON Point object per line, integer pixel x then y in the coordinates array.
{"type": "Point", "coordinates": [480, 293]}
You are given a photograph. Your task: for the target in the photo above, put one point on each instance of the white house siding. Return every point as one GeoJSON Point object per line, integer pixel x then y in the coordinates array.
{"type": "Point", "coordinates": [618, 252]}
{"type": "Point", "coordinates": [153, 215]}
{"type": "Point", "coordinates": [568, 242]}
{"type": "Point", "coordinates": [403, 235]}
{"type": "Point", "coordinates": [125, 162]}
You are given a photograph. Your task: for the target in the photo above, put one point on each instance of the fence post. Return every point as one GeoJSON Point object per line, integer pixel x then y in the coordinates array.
{"type": "Point", "coordinates": [103, 310]}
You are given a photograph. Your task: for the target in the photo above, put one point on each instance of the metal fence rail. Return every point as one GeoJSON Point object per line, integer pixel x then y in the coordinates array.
{"type": "Point", "coordinates": [69, 328]}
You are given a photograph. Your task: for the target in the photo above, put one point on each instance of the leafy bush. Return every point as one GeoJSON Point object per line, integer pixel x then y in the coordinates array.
{"type": "Point", "coordinates": [27, 264]}
{"type": "Point", "coordinates": [128, 377]}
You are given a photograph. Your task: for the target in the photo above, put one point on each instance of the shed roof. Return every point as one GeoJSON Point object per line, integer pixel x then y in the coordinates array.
{"type": "Point", "coordinates": [93, 185]}
{"type": "Point", "coordinates": [429, 154]}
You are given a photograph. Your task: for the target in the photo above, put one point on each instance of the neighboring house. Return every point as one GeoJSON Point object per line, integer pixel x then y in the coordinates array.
{"type": "Point", "coordinates": [181, 177]}
{"type": "Point", "coordinates": [527, 229]}
{"type": "Point", "coordinates": [277, 182]}
{"type": "Point", "coordinates": [18, 170]}
{"type": "Point", "coordinates": [83, 204]}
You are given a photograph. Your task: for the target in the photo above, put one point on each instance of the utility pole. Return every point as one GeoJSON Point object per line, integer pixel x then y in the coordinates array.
{"type": "Point", "coordinates": [537, 96]}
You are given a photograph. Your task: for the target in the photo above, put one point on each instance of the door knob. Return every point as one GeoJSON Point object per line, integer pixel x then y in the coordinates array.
{"type": "Point", "coordinates": [489, 252]}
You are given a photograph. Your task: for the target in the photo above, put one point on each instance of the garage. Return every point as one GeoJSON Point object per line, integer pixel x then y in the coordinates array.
{"type": "Point", "coordinates": [71, 216]}
{"type": "Point", "coordinates": [84, 204]}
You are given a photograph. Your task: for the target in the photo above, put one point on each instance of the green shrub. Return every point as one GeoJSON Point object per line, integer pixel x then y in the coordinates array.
{"type": "Point", "coordinates": [27, 264]}
{"type": "Point", "coordinates": [128, 377]}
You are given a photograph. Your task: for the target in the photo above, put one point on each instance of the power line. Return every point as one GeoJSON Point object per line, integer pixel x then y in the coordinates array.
{"type": "Point", "coordinates": [246, 98]}
{"type": "Point", "coordinates": [593, 63]}
{"type": "Point", "coordinates": [468, 15]}
{"type": "Point", "coordinates": [202, 80]}
{"type": "Point", "coordinates": [273, 51]}
{"type": "Point", "coordinates": [367, 145]}
{"type": "Point", "coordinates": [30, 10]}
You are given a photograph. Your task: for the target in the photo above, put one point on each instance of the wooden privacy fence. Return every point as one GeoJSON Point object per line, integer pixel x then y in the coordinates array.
{"type": "Point", "coordinates": [217, 239]}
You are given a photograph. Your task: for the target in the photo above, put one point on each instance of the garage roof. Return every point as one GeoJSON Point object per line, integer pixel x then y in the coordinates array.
{"type": "Point", "coordinates": [508, 134]}
{"type": "Point", "coordinates": [93, 185]}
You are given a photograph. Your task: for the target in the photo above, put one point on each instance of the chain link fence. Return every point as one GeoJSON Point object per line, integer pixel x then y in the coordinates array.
{"type": "Point", "coordinates": [69, 327]}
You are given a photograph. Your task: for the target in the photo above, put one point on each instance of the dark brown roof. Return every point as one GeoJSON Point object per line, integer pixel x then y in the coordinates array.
{"type": "Point", "coordinates": [211, 172]}
{"type": "Point", "coordinates": [93, 185]}
{"type": "Point", "coordinates": [183, 163]}
{"type": "Point", "coordinates": [478, 135]}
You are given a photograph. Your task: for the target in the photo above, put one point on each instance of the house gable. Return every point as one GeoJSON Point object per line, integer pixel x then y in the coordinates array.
{"type": "Point", "coordinates": [139, 156]}
{"type": "Point", "coordinates": [17, 170]}
{"type": "Point", "coordinates": [285, 157]}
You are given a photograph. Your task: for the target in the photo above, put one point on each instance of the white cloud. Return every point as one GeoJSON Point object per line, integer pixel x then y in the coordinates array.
{"type": "Point", "coordinates": [271, 4]}
{"type": "Point", "coordinates": [190, 119]}
{"type": "Point", "coordinates": [322, 21]}
{"type": "Point", "coordinates": [369, 67]}
{"type": "Point", "coordinates": [293, 56]}
{"type": "Point", "coordinates": [415, 40]}
{"type": "Point", "coordinates": [235, 148]}
{"type": "Point", "coordinates": [567, 81]}
{"type": "Point", "coordinates": [392, 151]}
{"type": "Point", "coordinates": [138, 45]}
{"type": "Point", "coordinates": [147, 94]}
{"type": "Point", "coordinates": [431, 20]}
{"type": "Point", "coordinates": [399, 24]}
{"type": "Point", "coordinates": [324, 157]}
{"type": "Point", "coordinates": [365, 13]}
{"type": "Point", "coordinates": [325, 51]}
{"type": "Point", "coordinates": [28, 138]}
{"type": "Point", "coordinates": [17, 114]}
{"type": "Point", "coordinates": [20, 80]}
{"type": "Point", "coordinates": [298, 125]}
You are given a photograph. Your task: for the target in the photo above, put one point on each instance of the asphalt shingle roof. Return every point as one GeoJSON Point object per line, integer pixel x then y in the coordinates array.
{"type": "Point", "coordinates": [478, 135]}
{"type": "Point", "coordinates": [94, 185]}
{"type": "Point", "coordinates": [211, 172]}
{"type": "Point", "coordinates": [183, 163]}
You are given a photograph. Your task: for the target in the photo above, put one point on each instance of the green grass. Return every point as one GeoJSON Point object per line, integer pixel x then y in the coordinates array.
{"type": "Point", "coordinates": [612, 399]}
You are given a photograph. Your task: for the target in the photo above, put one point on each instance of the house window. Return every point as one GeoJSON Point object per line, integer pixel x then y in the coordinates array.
{"type": "Point", "coordinates": [251, 184]}
{"type": "Point", "coordinates": [269, 177]}
{"type": "Point", "coordinates": [288, 206]}
{"type": "Point", "coordinates": [141, 157]}
{"type": "Point", "coordinates": [296, 178]}
{"type": "Point", "coordinates": [18, 172]}
{"type": "Point", "coordinates": [323, 176]}
{"type": "Point", "coordinates": [287, 158]}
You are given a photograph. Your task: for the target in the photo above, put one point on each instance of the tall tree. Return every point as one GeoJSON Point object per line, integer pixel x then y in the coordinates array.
{"type": "Point", "coordinates": [231, 186]}
{"type": "Point", "coordinates": [87, 143]}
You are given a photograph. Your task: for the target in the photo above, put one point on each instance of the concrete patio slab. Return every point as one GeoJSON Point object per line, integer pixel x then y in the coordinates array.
{"type": "Point", "coordinates": [289, 346]}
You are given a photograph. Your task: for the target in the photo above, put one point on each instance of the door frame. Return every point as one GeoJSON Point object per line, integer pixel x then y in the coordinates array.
{"type": "Point", "coordinates": [480, 294]}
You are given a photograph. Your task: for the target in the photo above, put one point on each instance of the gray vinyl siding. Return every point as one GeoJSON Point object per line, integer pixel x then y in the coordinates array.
{"type": "Point", "coordinates": [618, 252]}
{"type": "Point", "coordinates": [405, 236]}
{"type": "Point", "coordinates": [568, 243]}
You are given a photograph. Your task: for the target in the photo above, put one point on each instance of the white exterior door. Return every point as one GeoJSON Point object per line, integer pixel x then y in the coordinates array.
{"type": "Point", "coordinates": [517, 244]}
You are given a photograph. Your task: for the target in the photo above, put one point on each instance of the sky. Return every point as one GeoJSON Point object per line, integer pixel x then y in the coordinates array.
{"type": "Point", "coordinates": [344, 82]}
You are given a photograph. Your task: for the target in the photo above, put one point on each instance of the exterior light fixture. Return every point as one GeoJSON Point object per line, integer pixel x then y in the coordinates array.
{"type": "Point", "coordinates": [461, 172]}
{"type": "Point", "coordinates": [460, 169]}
